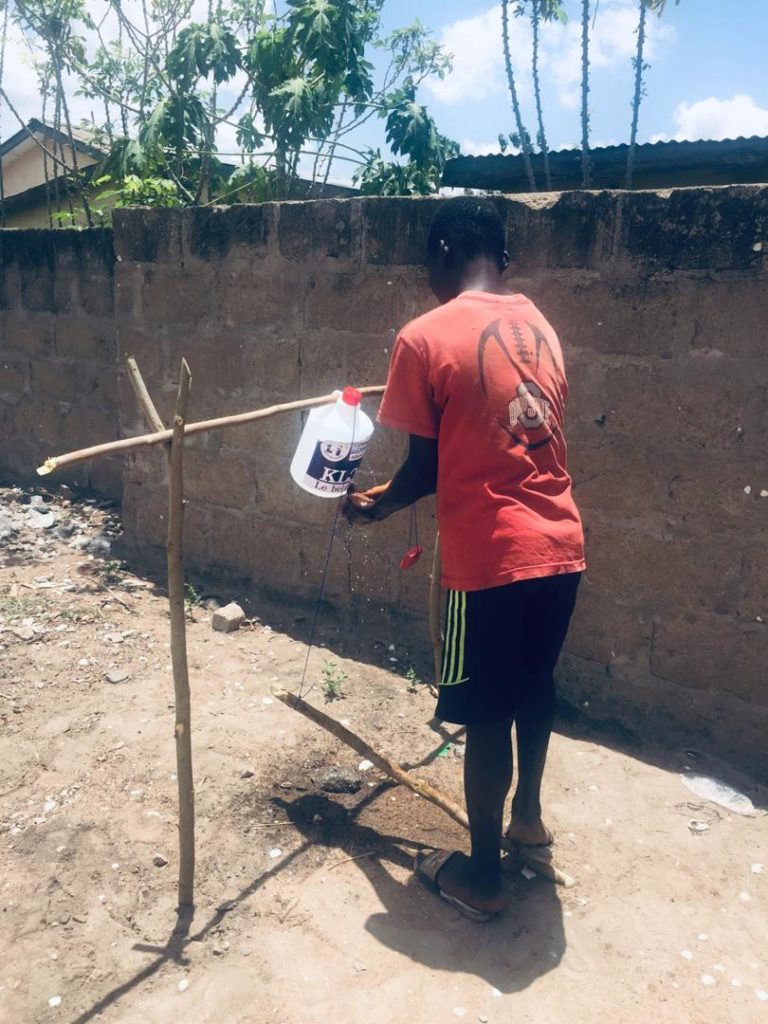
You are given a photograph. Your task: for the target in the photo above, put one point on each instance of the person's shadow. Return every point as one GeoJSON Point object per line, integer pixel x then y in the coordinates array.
{"type": "Point", "coordinates": [509, 953]}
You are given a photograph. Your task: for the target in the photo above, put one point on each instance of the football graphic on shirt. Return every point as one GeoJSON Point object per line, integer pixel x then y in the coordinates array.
{"type": "Point", "coordinates": [529, 408]}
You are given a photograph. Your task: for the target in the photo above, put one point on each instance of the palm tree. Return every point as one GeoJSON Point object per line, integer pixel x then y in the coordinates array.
{"type": "Point", "coordinates": [640, 68]}
{"type": "Point", "coordinates": [586, 163]}
{"type": "Point", "coordinates": [521, 131]}
{"type": "Point", "coordinates": [542, 10]}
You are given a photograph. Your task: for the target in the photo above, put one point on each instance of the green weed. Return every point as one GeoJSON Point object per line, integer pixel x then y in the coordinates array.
{"type": "Point", "coordinates": [333, 681]}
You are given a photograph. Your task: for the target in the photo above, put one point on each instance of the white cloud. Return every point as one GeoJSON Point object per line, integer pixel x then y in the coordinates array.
{"type": "Point", "coordinates": [718, 119]}
{"type": "Point", "coordinates": [478, 65]}
{"type": "Point", "coordinates": [612, 44]}
{"type": "Point", "coordinates": [478, 58]}
{"type": "Point", "coordinates": [471, 148]}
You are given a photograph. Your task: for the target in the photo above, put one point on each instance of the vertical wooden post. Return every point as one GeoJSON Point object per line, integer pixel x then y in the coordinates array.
{"type": "Point", "coordinates": [175, 552]}
{"type": "Point", "coordinates": [182, 730]}
{"type": "Point", "coordinates": [435, 608]}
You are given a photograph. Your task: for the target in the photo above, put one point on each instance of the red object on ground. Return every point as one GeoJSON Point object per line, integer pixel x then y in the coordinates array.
{"type": "Point", "coordinates": [411, 557]}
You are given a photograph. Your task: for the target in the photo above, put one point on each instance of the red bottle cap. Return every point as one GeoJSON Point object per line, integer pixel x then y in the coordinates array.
{"type": "Point", "coordinates": [351, 396]}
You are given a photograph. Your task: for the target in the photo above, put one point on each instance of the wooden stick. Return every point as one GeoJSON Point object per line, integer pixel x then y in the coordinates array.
{"type": "Point", "coordinates": [179, 646]}
{"type": "Point", "coordinates": [162, 437]}
{"type": "Point", "coordinates": [140, 389]}
{"type": "Point", "coordinates": [435, 623]}
{"type": "Point", "coordinates": [394, 771]}
{"type": "Point", "coordinates": [539, 861]}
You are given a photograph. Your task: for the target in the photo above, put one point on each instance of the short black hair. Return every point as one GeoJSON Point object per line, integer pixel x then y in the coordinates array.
{"type": "Point", "coordinates": [469, 224]}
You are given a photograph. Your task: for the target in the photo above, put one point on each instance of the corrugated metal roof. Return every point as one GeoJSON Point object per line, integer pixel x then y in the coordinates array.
{"type": "Point", "coordinates": [657, 164]}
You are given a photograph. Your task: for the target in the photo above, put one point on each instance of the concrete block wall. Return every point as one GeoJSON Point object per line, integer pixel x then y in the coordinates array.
{"type": "Point", "coordinates": [660, 300]}
{"type": "Point", "coordinates": [58, 370]}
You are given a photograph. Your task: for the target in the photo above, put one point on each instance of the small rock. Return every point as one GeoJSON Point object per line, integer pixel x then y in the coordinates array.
{"type": "Point", "coordinates": [117, 676]}
{"type": "Point", "coordinates": [54, 1001]}
{"type": "Point", "coordinates": [98, 545]}
{"type": "Point", "coordinates": [338, 780]}
{"type": "Point", "coordinates": [64, 530]}
{"type": "Point", "coordinates": [228, 619]}
{"type": "Point", "coordinates": [275, 852]}
{"type": "Point", "coordinates": [40, 519]}
{"type": "Point", "coordinates": [757, 869]}
{"type": "Point", "coordinates": [365, 765]}
{"type": "Point", "coordinates": [159, 860]}
{"type": "Point", "coordinates": [7, 527]}
{"type": "Point", "coordinates": [247, 774]}
{"type": "Point", "coordinates": [360, 967]}
{"type": "Point", "coordinates": [183, 985]}
{"type": "Point", "coordinates": [527, 873]}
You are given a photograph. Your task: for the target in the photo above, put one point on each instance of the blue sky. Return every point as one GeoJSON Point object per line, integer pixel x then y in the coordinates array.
{"type": "Point", "coordinates": [707, 77]}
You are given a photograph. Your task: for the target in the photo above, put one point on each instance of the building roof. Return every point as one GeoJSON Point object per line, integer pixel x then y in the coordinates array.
{"type": "Point", "coordinates": [657, 165]}
{"type": "Point", "coordinates": [83, 138]}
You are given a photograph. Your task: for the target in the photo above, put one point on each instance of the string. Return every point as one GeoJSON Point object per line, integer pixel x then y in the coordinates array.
{"type": "Point", "coordinates": [324, 576]}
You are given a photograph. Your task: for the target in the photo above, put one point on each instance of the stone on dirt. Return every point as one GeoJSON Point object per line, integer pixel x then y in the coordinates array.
{"type": "Point", "coordinates": [117, 676]}
{"type": "Point", "coordinates": [229, 618]}
{"type": "Point", "coordinates": [159, 860]}
{"type": "Point", "coordinates": [338, 780]}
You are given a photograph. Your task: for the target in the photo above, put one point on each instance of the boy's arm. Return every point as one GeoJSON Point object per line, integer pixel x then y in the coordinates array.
{"type": "Point", "coordinates": [416, 478]}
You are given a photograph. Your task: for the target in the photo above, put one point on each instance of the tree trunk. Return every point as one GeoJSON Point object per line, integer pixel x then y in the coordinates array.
{"type": "Point", "coordinates": [179, 647]}
{"type": "Point", "coordinates": [535, 23]}
{"type": "Point", "coordinates": [637, 99]}
{"type": "Point", "coordinates": [586, 163]}
{"type": "Point", "coordinates": [525, 144]}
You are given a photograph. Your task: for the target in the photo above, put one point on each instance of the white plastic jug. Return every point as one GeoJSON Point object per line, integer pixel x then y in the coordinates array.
{"type": "Point", "coordinates": [332, 446]}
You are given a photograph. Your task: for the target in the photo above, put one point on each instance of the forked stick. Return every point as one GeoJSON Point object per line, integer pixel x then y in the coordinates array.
{"type": "Point", "coordinates": [537, 861]}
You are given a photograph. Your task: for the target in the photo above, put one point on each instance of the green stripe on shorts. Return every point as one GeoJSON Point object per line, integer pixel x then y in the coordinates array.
{"type": "Point", "coordinates": [455, 639]}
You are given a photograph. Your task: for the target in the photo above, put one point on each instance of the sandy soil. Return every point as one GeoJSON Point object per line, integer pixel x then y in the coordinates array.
{"type": "Point", "coordinates": [307, 909]}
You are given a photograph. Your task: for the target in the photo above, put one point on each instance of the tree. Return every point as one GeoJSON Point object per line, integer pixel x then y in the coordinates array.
{"type": "Point", "coordinates": [586, 163]}
{"type": "Point", "coordinates": [541, 10]}
{"type": "Point", "coordinates": [640, 68]}
{"type": "Point", "coordinates": [300, 77]}
{"type": "Point", "coordinates": [521, 130]}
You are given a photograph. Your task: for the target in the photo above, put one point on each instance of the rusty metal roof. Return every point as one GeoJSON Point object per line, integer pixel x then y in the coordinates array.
{"type": "Point", "coordinates": [657, 165]}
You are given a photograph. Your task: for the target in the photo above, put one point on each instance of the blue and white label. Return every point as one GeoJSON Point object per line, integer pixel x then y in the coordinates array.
{"type": "Point", "coordinates": [333, 465]}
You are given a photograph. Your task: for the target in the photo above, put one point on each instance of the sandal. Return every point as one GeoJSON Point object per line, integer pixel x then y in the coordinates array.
{"type": "Point", "coordinates": [428, 866]}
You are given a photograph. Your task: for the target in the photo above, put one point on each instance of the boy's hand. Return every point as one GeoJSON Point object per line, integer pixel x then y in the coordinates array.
{"type": "Point", "coordinates": [360, 506]}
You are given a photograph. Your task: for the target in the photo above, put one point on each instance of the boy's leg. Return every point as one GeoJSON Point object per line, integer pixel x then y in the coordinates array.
{"type": "Point", "coordinates": [533, 725]}
{"type": "Point", "coordinates": [487, 779]}
{"type": "Point", "coordinates": [548, 613]}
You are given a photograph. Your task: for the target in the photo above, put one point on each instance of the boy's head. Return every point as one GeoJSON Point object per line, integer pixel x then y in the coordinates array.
{"type": "Point", "coordinates": [464, 230]}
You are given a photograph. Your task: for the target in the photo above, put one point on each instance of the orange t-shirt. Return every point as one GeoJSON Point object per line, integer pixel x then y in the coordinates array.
{"type": "Point", "coordinates": [484, 375]}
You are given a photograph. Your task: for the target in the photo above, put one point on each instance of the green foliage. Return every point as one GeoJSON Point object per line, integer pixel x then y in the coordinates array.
{"type": "Point", "coordinates": [307, 84]}
{"type": "Point", "coordinates": [110, 573]}
{"type": "Point", "coordinates": [333, 681]}
{"type": "Point", "coordinates": [202, 50]}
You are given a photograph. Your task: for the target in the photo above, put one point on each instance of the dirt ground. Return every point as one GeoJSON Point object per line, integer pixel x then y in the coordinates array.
{"type": "Point", "coordinates": [307, 910]}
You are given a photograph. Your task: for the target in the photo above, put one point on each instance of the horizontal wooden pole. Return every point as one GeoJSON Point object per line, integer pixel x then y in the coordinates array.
{"type": "Point", "coordinates": [163, 436]}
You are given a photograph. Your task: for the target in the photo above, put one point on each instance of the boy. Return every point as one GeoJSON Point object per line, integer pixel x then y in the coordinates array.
{"type": "Point", "coordinates": [479, 385]}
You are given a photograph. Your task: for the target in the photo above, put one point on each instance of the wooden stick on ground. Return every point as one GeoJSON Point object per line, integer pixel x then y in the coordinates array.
{"type": "Point", "coordinates": [394, 771]}
{"type": "Point", "coordinates": [179, 646]}
{"type": "Point", "coordinates": [537, 861]}
{"type": "Point", "coordinates": [164, 436]}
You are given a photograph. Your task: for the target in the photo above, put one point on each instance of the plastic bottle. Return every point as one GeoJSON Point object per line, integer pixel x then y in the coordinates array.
{"type": "Point", "coordinates": [332, 446]}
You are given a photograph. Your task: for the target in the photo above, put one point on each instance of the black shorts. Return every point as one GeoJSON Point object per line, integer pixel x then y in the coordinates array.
{"type": "Point", "coordinates": [502, 645]}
